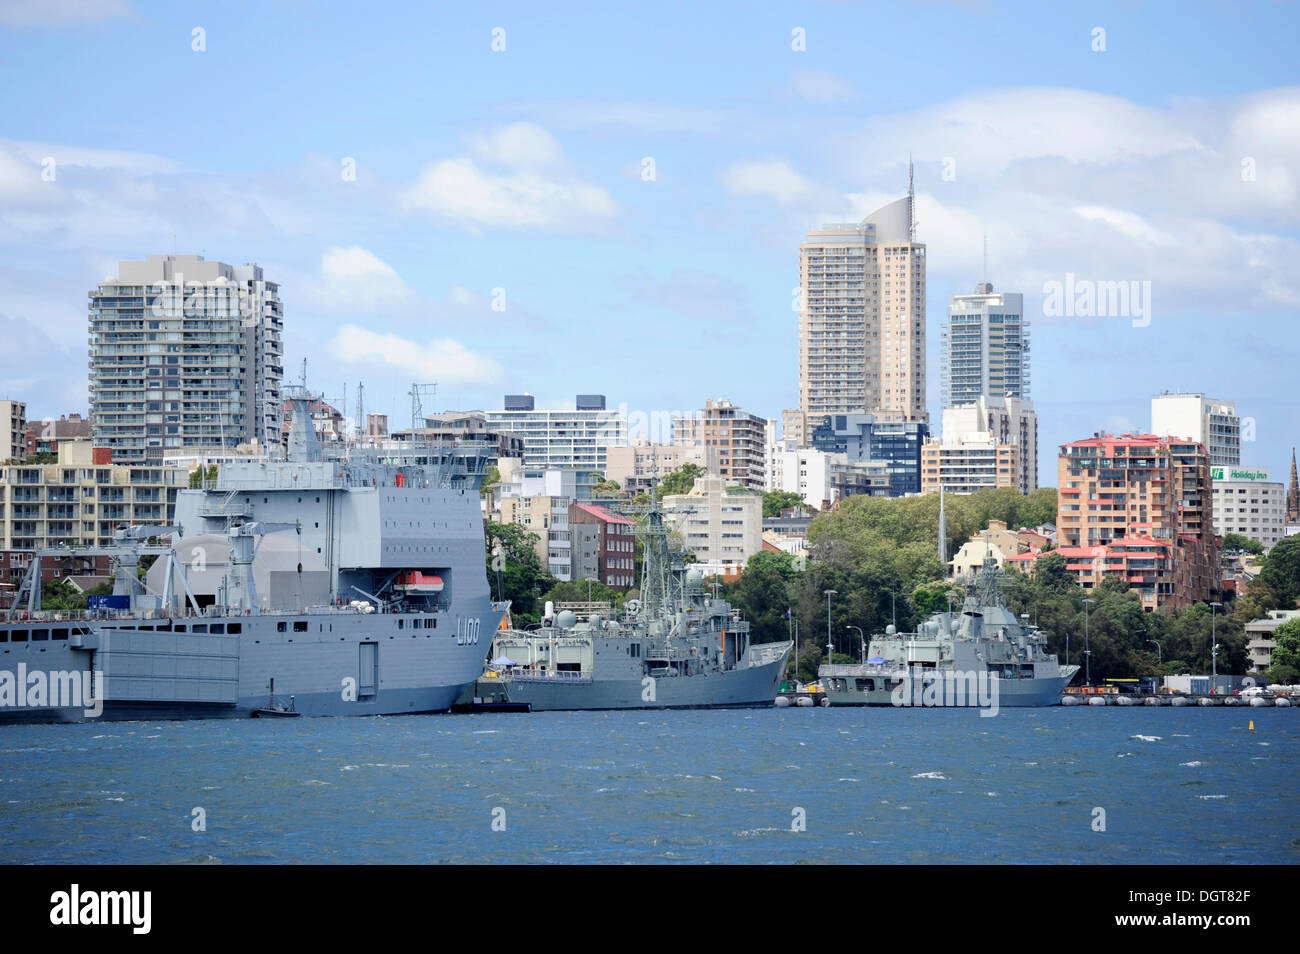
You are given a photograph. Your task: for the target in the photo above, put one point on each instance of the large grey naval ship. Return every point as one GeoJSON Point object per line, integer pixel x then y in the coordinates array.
{"type": "Point", "coordinates": [674, 647]}
{"type": "Point", "coordinates": [954, 659]}
{"type": "Point", "coordinates": [314, 585]}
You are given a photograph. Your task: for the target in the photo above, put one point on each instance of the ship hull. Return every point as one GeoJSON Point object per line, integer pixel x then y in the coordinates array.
{"type": "Point", "coordinates": [735, 688]}
{"type": "Point", "coordinates": [332, 664]}
{"type": "Point", "coordinates": [1012, 694]}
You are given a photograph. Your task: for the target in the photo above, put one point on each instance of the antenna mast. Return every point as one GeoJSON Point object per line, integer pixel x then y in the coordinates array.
{"type": "Point", "coordinates": [911, 202]}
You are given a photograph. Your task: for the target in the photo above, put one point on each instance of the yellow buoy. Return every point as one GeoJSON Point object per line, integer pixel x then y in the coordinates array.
{"type": "Point", "coordinates": [1252, 725]}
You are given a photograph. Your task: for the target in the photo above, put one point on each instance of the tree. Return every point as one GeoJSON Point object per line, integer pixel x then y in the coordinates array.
{"type": "Point", "coordinates": [763, 595]}
{"type": "Point", "coordinates": [523, 578]}
{"type": "Point", "coordinates": [681, 480]}
{"type": "Point", "coordinates": [774, 501]}
{"type": "Point", "coordinates": [582, 591]}
{"type": "Point", "coordinates": [1234, 543]}
{"type": "Point", "coordinates": [606, 488]}
{"type": "Point", "coordinates": [490, 479]}
{"type": "Point", "coordinates": [1285, 663]}
{"type": "Point", "coordinates": [1281, 571]}
{"type": "Point", "coordinates": [197, 476]}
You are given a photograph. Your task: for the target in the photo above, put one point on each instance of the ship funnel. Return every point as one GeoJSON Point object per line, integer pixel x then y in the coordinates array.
{"type": "Point", "coordinates": [303, 443]}
{"type": "Point", "coordinates": [974, 624]}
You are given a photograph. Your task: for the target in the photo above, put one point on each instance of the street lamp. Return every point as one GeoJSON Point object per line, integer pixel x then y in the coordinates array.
{"type": "Point", "coordinates": [863, 640]}
{"type": "Point", "coordinates": [1214, 649]}
{"type": "Point", "coordinates": [829, 648]}
{"type": "Point", "coordinates": [1087, 653]}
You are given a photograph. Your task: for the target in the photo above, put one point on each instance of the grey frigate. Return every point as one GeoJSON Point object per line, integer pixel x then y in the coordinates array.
{"type": "Point", "coordinates": [676, 647]}
{"type": "Point", "coordinates": [954, 659]}
{"type": "Point", "coordinates": [352, 584]}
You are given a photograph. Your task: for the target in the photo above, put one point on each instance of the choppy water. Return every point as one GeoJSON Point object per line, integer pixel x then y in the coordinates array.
{"type": "Point", "coordinates": [879, 785]}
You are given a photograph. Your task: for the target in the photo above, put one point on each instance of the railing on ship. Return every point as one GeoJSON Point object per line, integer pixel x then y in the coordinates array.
{"type": "Point", "coordinates": [544, 675]}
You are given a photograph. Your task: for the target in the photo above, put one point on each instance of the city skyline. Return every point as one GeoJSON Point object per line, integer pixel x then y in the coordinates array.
{"type": "Point", "coordinates": [483, 219]}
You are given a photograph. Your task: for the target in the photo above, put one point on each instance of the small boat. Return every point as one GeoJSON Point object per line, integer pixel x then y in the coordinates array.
{"type": "Point", "coordinates": [464, 707]}
{"type": "Point", "coordinates": [276, 710]}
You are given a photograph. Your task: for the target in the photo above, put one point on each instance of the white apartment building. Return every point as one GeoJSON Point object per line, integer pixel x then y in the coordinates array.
{"type": "Point", "coordinates": [718, 525]}
{"type": "Point", "coordinates": [13, 430]}
{"type": "Point", "coordinates": [862, 320]}
{"type": "Point", "coordinates": [983, 426]}
{"type": "Point", "coordinates": [578, 439]}
{"type": "Point", "coordinates": [984, 350]}
{"type": "Point", "coordinates": [184, 353]}
{"type": "Point", "coordinates": [83, 498]}
{"type": "Point", "coordinates": [1194, 417]}
{"type": "Point", "coordinates": [1247, 503]}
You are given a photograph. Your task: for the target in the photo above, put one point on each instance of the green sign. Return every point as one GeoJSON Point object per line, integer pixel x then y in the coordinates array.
{"type": "Point", "coordinates": [1237, 473]}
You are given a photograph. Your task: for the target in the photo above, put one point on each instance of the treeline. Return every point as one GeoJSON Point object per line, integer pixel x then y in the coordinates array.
{"type": "Point", "coordinates": [880, 557]}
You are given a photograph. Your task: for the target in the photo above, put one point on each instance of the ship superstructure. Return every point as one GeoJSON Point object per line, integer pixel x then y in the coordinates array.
{"type": "Point", "coordinates": [356, 582]}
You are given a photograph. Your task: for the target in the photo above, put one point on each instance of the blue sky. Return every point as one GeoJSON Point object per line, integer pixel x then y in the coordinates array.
{"type": "Point", "coordinates": [1172, 156]}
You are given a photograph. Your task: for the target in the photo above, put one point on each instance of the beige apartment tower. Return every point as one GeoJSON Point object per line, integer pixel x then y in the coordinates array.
{"type": "Point", "coordinates": [862, 320]}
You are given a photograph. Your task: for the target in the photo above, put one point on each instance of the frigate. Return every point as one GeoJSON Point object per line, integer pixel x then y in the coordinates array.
{"type": "Point", "coordinates": [675, 646]}
{"type": "Point", "coordinates": [328, 583]}
{"type": "Point", "coordinates": [983, 655]}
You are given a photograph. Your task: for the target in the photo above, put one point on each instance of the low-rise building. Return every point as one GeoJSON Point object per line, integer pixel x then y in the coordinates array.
{"type": "Point", "coordinates": [633, 467]}
{"type": "Point", "coordinates": [603, 546]}
{"type": "Point", "coordinates": [83, 498]}
{"type": "Point", "coordinates": [718, 524]}
{"type": "Point", "coordinates": [1260, 645]}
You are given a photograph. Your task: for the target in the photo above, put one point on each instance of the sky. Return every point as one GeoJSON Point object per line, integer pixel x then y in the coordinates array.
{"type": "Point", "coordinates": [565, 198]}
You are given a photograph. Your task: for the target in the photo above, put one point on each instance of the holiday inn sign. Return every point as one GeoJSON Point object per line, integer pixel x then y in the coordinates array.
{"type": "Point", "coordinates": [1237, 473]}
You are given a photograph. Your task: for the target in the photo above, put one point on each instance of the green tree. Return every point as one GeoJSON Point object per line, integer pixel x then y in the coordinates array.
{"type": "Point", "coordinates": [1285, 662]}
{"type": "Point", "coordinates": [582, 591]}
{"type": "Point", "coordinates": [1234, 543]}
{"type": "Point", "coordinates": [763, 595]}
{"type": "Point", "coordinates": [774, 501]}
{"type": "Point", "coordinates": [681, 480]}
{"type": "Point", "coordinates": [606, 488]}
{"type": "Point", "coordinates": [491, 478]}
{"type": "Point", "coordinates": [1281, 571]}
{"type": "Point", "coordinates": [197, 476]}
{"type": "Point", "coordinates": [523, 578]}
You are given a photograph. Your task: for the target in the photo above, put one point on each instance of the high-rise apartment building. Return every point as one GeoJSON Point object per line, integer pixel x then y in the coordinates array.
{"type": "Point", "coordinates": [184, 353]}
{"type": "Point", "coordinates": [1194, 417]}
{"type": "Point", "coordinates": [991, 442]}
{"type": "Point", "coordinates": [1138, 508]}
{"type": "Point", "coordinates": [734, 438]}
{"type": "Point", "coordinates": [576, 439]}
{"type": "Point", "coordinates": [985, 347]}
{"type": "Point", "coordinates": [862, 320]}
{"type": "Point", "coordinates": [13, 430]}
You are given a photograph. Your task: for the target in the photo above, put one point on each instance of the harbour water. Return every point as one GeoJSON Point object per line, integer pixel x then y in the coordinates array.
{"type": "Point", "coordinates": [869, 785]}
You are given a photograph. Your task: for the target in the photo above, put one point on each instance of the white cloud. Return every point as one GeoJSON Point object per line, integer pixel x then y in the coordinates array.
{"type": "Point", "coordinates": [354, 279]}
{"type": "Point", "coordinates": [442, 359]}
{"type": "Point", "coordinates": [768, 178]}
{"type": "Point", "coordinates": [533, 189]}
{"type": "Point", "coordinates": [519, 145]}
{"type": "Point", "coordinates": [48, 13]}
{"type": "Point", "coordinates": [819, 88]}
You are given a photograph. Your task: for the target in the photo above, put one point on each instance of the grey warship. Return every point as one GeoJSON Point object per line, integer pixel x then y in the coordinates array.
{"type": "Point", "coordinates": [676, 647]}
{"type": "Point", "coordinates": [952, 656]}
{"type": "Point", "coordinates": [349, 584]}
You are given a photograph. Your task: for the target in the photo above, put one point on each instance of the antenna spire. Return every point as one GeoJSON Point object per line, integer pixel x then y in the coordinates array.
{"type": "Point", "coordinates": [911, 202]}
{"type": "Point", "coordinates": [986, 258]}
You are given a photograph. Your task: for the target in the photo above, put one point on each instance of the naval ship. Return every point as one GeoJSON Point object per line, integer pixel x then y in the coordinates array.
{"type": "Point", "coordinates": [348, 584]}
{"type": "Point", "coordinates": [954, 657]}
{"type": "Point", "coordinates": [676, 647]}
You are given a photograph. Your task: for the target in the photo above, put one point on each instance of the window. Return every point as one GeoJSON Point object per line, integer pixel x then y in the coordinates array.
{"type": "Point", "coordinates": [281, 627]}
{"type": "Point", "coordinates": [300, 626]}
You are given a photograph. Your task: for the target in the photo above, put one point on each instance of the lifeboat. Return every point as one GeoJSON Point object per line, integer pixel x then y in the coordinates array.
{"type": "Point", "coordinates": [417, 582]}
